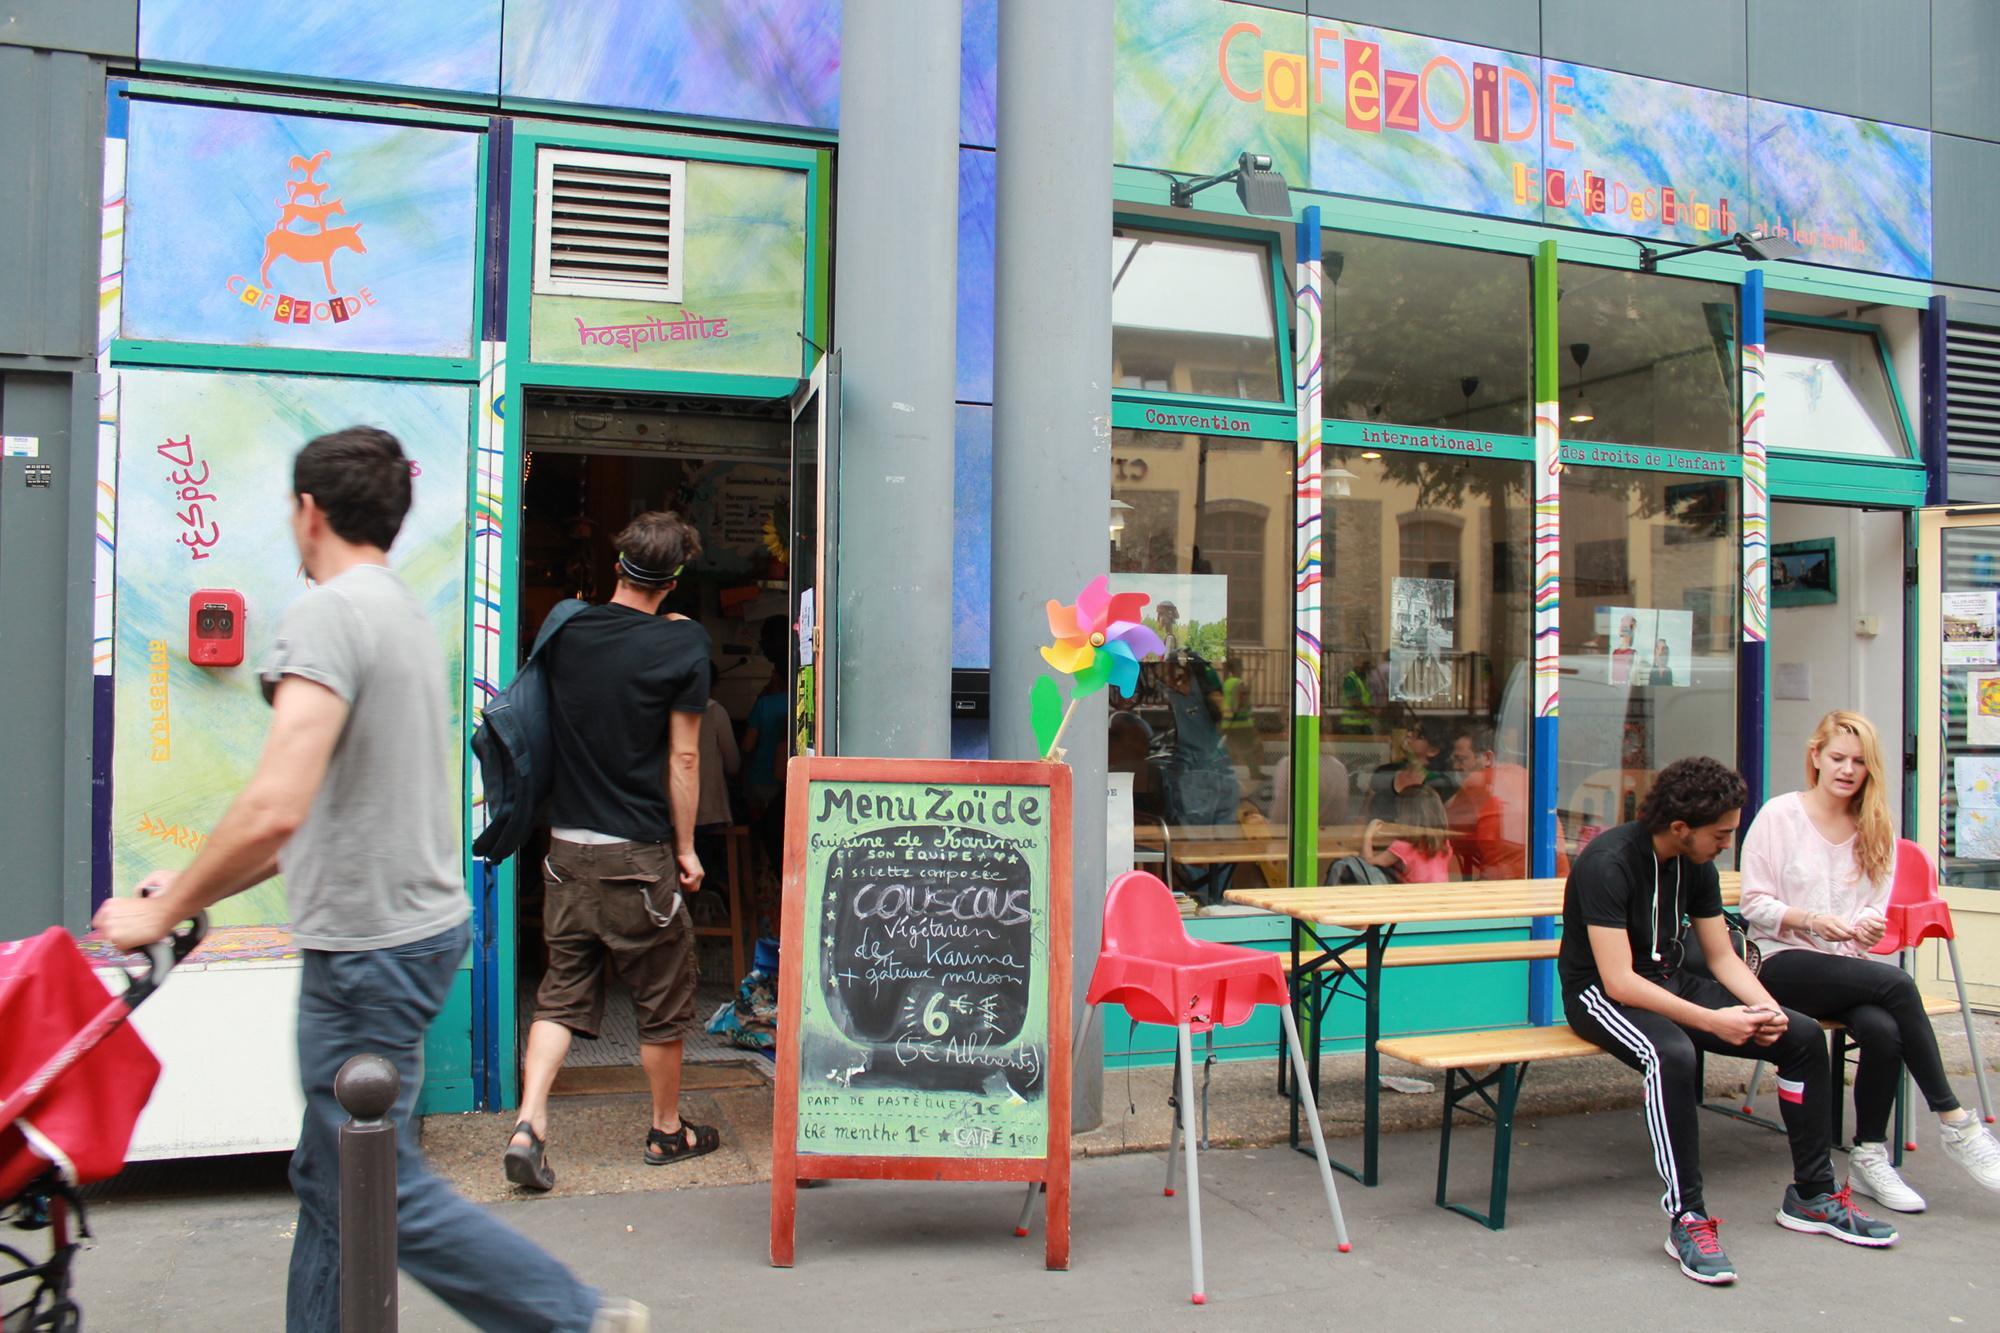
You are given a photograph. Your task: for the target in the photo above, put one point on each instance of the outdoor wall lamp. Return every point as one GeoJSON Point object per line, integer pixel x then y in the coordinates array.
{"type": "Point", "coordinates": [1262, 191]}
{"type": "Point", "coordinates": [1753, 246]}
{"type": "Point", "coordinates": [1581, 413]}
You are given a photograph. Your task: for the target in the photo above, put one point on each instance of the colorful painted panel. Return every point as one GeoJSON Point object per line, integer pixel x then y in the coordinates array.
{"type": "Point", "coordinates": [187, 737]}
{"type": "Point", "coordinates": [453, 46]}
{"type": "Point", "coordinates": [765, 60]}
{"type": "Point", "coordinates": [299, 231]}
{"type": "Point", "coordinates": [1855, 193]}
{"type": "Point", "coordinates": [976, 207]}
{"type": "Point", "coordinates": [1422, 121]}
{"type": "Point", "coordinates": [1199, 82]}
{"type": "Point", "coordinates": [972, 545]}
{"type": "Point", "coordinates": [1650, 158]}
{"type": "Point", "coordinates": [743, 287]}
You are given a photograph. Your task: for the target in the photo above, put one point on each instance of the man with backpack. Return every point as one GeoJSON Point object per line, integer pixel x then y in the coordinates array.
{"type": "Point", "coordinates": [627, 689]}
{"type": "Point", "coordinates": [351, 798]}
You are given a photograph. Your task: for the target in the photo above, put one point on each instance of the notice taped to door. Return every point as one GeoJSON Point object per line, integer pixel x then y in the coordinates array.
{"type": "Point", "coordinates": [924, 988]}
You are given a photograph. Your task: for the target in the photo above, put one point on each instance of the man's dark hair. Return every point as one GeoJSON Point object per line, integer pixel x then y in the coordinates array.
{"type": "Point", "coordinates": [1695, 791]}
{"type": "Point", "coordinates": [660, 541]}
{"type": "Point", "coordinates": [771, 636]}
{"type": "Point", "coordinates": [1478, 734]}
{"type": "Point", "coordinates": [360, 479]}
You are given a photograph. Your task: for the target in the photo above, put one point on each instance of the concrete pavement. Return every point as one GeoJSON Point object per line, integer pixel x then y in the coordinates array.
{"type": "Point", "coordinates": [1583, 1248]}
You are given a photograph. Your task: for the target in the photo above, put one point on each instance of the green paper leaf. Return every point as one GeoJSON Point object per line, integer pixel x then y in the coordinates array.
{"type": "Point", "coordinates": [1045, 711]}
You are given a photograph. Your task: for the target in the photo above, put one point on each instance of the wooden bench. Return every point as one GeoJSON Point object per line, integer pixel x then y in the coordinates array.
{"type": "Point", "coordinates": [1511, 1050]}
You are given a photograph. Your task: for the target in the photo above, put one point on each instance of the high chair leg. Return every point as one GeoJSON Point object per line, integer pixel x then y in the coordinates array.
{"type": "Point", "coordinates": [1193, 1167]}
{"type": "Point", "coordinates": [1173, 1148]}
{"type": "Point", "coordinates": [1750, 1093]}
{"type": "Point", "coordinates": [1035, 1187]}
{"type": "Point", "coordinates": [1312, 1119]}
{"type": "Point", "coordinates": [1971, 1032]}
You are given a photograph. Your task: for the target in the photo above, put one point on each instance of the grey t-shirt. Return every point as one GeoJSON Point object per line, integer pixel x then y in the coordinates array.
{"type": "Point", "coordinates": [376, 863]}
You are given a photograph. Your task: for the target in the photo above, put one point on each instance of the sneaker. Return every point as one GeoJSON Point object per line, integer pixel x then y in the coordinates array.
{"type": "Point", "coordinates": [620, 1316]}
{"type": "Point", "coordinates": [1869, 1170]}
{"type": "Point", "coordinates": [1971, 1145]}
{"type": "Point", "coordinates": [1692, 1240]}
{"type": "Point", "coordinates": [1833, 1215]}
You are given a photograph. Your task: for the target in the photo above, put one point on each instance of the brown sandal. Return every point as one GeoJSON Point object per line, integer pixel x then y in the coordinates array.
{"type": "Point", "coordinates": [527, 1164]}
{"type": "Point", "coordinates": [690, 1140]}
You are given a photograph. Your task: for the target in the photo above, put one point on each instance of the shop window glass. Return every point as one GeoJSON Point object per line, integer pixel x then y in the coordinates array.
{"type": "Point", "coordinates": [1650, 590]}
{"type": "Point", "coordinates": [1648, 360]}
{"type": "Point", "coordinates": [1426, 622]}
{"type": "Point", "coordinates": [1191, 314]}
{"type": "Point", "coordinates": [1969, 566]}
{"type": "Point", "coordinates": [1427, 335]}
{"type": "Point", "coordinates": [1826, 392]}
{"type": "Point", "coordinates": [1206, 531]}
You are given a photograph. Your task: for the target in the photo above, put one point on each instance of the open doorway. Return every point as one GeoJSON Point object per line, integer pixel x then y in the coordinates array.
{"type": "Point", "coordinates": [591, 462]}
{"type": "Point", "coordinates": [1836, 631]}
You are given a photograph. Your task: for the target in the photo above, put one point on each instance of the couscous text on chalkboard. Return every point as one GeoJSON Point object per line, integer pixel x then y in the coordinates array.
{"type": "Point", "coordinates": [925, 1029]}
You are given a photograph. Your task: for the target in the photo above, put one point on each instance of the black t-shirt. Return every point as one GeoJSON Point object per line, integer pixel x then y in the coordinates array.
{"type": "Point", "coordinates": [615, 673]}
{"type": "Point", "coordinates": [1613, 882]}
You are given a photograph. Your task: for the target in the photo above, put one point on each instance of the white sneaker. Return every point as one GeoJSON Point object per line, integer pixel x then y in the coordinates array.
{"type": "Point", "coordinates": [1870, 1172]}
{"type": "Point", "coordinates": [1970, 1145]}
{"type": "Point", "coordinates": [620, 1316]}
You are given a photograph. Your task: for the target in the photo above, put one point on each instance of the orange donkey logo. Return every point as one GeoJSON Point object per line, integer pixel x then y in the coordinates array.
{"type": "Point", "coordinates": [309, 247]}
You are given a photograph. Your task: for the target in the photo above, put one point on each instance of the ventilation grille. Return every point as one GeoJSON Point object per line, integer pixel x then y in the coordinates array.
{"type": "Point", "coordinates": [608, 224]}
{"type": "Point", "coordinates": [1972, 397]}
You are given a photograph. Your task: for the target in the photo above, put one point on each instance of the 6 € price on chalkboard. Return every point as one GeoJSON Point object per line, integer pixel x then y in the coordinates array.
{"type": "Point", "coordinates": [924, 995]}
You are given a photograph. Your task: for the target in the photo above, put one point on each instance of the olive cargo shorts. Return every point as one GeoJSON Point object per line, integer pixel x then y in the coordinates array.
{"type": "Point", "coordinates": [603, 898]}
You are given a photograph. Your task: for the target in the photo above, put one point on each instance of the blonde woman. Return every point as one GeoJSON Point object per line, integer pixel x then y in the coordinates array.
{"type": "Point", "coordinates": [1817, 868]}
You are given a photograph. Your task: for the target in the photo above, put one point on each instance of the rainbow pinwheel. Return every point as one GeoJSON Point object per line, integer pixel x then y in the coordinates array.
{"type": "Point", "coordinates": [1099, 641]}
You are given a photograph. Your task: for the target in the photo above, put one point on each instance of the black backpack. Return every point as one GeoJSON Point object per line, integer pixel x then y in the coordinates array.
{"type": "Point", "coordinates": [1356, 870]}
{"type": "Point", "coordinates": [516, 749]}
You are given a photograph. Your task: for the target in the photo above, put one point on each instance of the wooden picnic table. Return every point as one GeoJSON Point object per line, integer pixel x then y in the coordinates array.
{"type": "Point", "coordinates": [1365, 918]}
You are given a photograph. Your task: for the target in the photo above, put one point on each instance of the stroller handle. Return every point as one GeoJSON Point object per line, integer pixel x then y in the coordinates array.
{"type": "Point", "coordinates": [162, 955]}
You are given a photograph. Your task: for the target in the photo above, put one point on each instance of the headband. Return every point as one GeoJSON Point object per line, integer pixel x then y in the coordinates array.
{"type": "Point", "coordinates": [636, 573]}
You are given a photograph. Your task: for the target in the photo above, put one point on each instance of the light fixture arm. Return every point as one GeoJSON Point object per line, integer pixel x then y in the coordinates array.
{"type": "Point", "coordinates": [1183, 193]}
{"type": "Point", "coordinates": [1749, 244]}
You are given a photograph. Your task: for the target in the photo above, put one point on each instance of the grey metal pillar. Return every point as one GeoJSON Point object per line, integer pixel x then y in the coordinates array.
{"type": "Point", "coordinates": [1052, 404]}
{"type": "Point", "coordinates": [895, 323]}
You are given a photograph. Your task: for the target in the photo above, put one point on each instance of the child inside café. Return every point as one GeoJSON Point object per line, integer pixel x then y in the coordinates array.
{"type": "Point", "coordinates": [1423, 854]}
{"type": "Point", "coordinates": [1817, 870]}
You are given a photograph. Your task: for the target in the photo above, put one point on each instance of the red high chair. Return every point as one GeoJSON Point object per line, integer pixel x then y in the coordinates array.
{"type": "Point", "coordinates": [1918, 912]}
{"type": "Point", "coordinates": [1149, 965]}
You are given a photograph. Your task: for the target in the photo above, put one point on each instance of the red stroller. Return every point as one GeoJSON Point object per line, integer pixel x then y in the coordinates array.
{"type": "Point", "coordinates": [73, 1080]}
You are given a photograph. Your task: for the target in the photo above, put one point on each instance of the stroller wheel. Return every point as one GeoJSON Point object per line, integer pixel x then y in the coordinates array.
{"type": "Point", "coordinates": [34, 1298]}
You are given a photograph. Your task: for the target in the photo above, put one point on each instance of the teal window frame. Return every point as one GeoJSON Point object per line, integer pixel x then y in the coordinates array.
{"type": "Point", "coordinates": [1796, 474]}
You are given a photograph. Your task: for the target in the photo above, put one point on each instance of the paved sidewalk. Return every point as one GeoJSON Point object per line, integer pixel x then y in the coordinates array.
{"type": "Point", "coordinates": [1584, 1230]}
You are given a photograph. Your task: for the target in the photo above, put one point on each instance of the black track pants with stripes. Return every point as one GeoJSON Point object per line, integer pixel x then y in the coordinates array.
{"type": "Point", "coordinates": [1664, 1052]}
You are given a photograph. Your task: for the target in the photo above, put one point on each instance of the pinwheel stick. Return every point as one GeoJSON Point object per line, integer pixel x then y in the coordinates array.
{"type": "Point", "coordinates": [1055, 754]}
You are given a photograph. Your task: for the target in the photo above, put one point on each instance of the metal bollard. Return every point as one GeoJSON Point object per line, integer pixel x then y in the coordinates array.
{"type": "Point", "coordinates": [366, 1087]}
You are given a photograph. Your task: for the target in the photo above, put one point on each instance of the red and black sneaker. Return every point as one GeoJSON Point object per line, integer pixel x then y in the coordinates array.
{"type": "Point", "coordinates": [1692, 1240]}
{"type": "Point", "coordinates": [1833, 1215]}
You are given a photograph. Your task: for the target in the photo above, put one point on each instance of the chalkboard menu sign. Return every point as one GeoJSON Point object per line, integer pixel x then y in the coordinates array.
{"type": "Point", "coordinates": [924, 987]}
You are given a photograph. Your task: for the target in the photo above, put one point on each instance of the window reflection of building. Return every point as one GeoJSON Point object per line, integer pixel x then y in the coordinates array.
{"type": "Point", "coordinates": [1662, 362]}
{"type": "Point", "coordinates": [1194, 315]}
{"type": "Point", "coordinates": [1209, 539]}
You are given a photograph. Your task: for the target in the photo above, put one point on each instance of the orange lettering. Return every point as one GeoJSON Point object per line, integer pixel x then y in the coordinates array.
{"type": "Point", "coordinates": [1402, 87]}
{"type": "Point", "coordinates": [1284, 83]}
{"type": "Point", "coordinates": [1559, 109]}
{"type": "Point", "coordinates": [1236, 91]}
{"type": "Point", "coordinates": [1485, 103]}
{"type": "Point", "coordinates": [1364, 86]}
{"type": "Point", "coordinates": [1508, 131]}
{"type": "Point", "coordinates": [1320, 62]}
{"type": "Point", "coordinates": [1464, 95]}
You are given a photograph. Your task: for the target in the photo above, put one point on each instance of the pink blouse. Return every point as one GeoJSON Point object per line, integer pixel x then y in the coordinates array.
{"type": "Point", "coordinates": [1787, 862]}
{"type": "Point", "coordinates": [1420, 866]}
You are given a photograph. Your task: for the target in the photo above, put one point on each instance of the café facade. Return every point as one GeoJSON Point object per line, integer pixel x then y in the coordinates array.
{"type": "Point", "coordinates": [1568, 422]}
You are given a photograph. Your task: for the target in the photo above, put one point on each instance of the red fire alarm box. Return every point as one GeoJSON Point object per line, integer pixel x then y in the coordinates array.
{"type": "Point", "coordinates": [215, 628]}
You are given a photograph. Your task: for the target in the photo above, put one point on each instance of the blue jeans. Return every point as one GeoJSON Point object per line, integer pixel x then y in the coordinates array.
{"type": "Point", "coordinates": [382, 1001]}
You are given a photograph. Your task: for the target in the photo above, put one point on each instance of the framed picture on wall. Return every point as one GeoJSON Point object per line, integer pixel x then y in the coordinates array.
{"type": "Point", "coordinates": [1803, 573]}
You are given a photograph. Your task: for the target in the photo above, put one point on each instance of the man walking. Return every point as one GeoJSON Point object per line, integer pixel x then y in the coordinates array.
{"type": "Point", "coordinates": [628, 689]}
{"type": "Point", "coordinates": [350, 800]}
{"type": "Point", "coordinates": [1627, 909]}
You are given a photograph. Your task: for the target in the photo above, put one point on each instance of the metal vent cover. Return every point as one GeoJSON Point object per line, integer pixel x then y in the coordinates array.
{"type": "Point", "coordinates": [1972, 397]}
{"type": "Point", "coordinates": [608, 225]}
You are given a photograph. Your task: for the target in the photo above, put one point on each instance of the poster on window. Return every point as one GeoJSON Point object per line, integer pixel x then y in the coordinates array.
{"type": "Point", "coordinates": [1982, 709]}
{"type": "Point", "coordinates": [1978, 784]}
{"type": "Point", "coordinates": [1423, 623]}
{"type": "Point", "coordinates": [1631, 637]}
{"type": "Point", "coordinates": [1668, 653]}
{"type": "Point", "coordinates": [1969, 635]}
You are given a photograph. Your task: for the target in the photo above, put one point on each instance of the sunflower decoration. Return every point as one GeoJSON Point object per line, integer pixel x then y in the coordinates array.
{"type": "Point", "coordinates": [1099, 640]}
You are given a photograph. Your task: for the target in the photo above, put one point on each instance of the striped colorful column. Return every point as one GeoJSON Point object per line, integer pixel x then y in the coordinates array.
{"type": "Point", "coordinates": [1753, 664]}
{"type": "Point", "coordinates": [1308, 366]}
{"type": "Point", "coordinates": [1545, 741]}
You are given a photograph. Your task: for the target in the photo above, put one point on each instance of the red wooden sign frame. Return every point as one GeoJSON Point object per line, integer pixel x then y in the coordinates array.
{"type": "Point", "coordinates": [788, 1165]}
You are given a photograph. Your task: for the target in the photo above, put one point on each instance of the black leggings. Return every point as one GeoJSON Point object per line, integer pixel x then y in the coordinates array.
{"type": "Point", "coordinates": [1884, 1016]}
